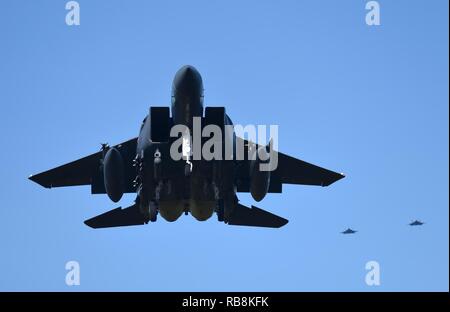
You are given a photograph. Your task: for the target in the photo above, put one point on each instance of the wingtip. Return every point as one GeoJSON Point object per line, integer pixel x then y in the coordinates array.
{"type": "Point", "coordinates": [337, 177]}
{"type": "Point", "coordinates": [283, 222]}
{"type": "Point", "coordinates": [89, 223]}
{"type": "Point", "coordinates": [35, 179]}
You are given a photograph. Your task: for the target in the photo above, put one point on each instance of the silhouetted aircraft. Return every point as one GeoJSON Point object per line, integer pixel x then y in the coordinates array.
{"type": "Point", "coordinates": [417, 222]}
{"type": "Point", "coordinates": [349, 231]}
{"type": "Point", "coordinates": [169, 186]}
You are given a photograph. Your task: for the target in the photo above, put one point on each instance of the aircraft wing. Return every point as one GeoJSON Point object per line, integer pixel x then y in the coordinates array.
{"type": "Point", "coordinates": [87, 171]}
{"type": "Point", "coordinates": [290, 170]}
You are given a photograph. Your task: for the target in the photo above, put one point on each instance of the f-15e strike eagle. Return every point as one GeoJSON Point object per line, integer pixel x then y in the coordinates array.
{"type": "Point", "coordinates": [171, 186]}
{"type": "Point", "coordinates": [416, 223]}
{"type": "Point", "coordinates": [349, 231]}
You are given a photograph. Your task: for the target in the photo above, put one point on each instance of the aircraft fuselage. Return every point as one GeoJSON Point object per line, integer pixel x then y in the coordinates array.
{"type": "Point", "coordinates": [170, 186]}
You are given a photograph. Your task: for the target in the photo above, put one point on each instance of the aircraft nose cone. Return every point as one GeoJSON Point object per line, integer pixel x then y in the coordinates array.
{"type": "Point", "coordinates": [185, 75]}
{"type": "Point", "coordinates": [187, 81]}
{"type": "Point", "coordinates": [187, 71]}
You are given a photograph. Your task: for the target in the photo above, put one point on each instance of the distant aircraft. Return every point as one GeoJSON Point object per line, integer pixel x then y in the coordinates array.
{"type": "Point", "coordinates": [417, 222]}
{"type": "Point", "coordinates": [167, 186]}
{"type": "Point", "coordinates": [349, 231]}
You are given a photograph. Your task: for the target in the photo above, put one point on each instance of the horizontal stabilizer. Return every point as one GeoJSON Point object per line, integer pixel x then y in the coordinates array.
{"type": "Point", "coordinates": [117, 217]}
{"type": "Point", "coordinates": [255, 217]}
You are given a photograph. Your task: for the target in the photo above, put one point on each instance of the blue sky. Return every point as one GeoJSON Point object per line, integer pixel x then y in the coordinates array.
{"type": "Point", "coordinates": [368, 101]}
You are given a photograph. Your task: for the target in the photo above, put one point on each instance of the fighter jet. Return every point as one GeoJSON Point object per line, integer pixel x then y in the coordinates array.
{"type": "Point", "coordinates": [169, 179]}
{"type": "Point", "coordinates": [417, 222]}
{"type": "Point", "coordinates": [349, 231]}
